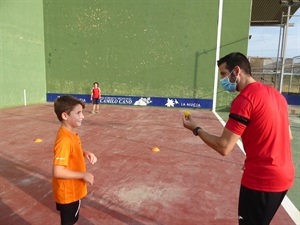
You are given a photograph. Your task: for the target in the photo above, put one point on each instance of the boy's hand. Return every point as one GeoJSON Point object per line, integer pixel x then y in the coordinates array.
{"type": "Point", "coordinates": [90, 157]}
{"type": "Point", "coordinates": [89, 178]}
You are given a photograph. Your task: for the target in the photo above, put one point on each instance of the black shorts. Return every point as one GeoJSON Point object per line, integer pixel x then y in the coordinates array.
{"type": "Point", "coordinates": [69, 213]}
{"type": "Point", "coordinates": [258, 207]}
{"type": "Point", "coordinates": [96, 101]}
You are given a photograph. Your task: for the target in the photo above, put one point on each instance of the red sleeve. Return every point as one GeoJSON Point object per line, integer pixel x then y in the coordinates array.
{"type": "Point", "coordinates": [240, 107]}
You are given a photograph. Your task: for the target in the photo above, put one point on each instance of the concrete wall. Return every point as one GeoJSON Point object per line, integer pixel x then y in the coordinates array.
{"type": "Point", "coordinates": [132, 48]}
{"type": "Point", "coordinates": [139, 48]}
{"type": "Point", "coordinates": [22, 61]}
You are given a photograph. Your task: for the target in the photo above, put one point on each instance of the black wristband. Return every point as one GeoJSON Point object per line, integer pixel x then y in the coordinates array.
{"type": "Point", "coordinates": [195, 131]}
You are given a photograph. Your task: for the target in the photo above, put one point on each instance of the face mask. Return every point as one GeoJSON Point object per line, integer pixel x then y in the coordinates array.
{"type": "Point", "coordinates": [227, 85]}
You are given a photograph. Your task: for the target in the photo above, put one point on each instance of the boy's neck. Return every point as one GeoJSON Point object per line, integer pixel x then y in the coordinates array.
{"type": "Point", "coordinates": [69, 128]}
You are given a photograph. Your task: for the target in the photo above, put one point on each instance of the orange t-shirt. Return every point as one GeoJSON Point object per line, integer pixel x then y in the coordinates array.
{"type": "Point", "coordinates": [68, 152]}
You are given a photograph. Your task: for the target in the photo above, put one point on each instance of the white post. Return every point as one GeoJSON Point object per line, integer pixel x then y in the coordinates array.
{"type": "Point", "coordinates": [279, 57]}
{"type": "Point", "coordinates": [284, 48]}
{"type": "Point", "coordinates": [217, 55]}
{"type": "Point", "coordinates": [24, 95]}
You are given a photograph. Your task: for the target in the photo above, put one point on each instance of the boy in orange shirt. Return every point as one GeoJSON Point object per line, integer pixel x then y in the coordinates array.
{"type": "Point", "coordinates": [69, 170]}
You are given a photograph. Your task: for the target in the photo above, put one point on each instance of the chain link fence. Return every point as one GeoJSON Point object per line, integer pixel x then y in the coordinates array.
{"type": "Point", "coordinates": [268, 71]}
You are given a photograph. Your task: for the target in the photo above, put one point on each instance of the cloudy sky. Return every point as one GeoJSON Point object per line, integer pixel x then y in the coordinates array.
{"type": "Point", "coordinates": [265, 40]}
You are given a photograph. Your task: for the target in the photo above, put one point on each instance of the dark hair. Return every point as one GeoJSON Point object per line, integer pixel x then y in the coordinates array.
{"type": "Point", "coordinates": [96, 83]}
{"type": "Point", "coordinates": [236, 59]}
{"type": "Point", "coordinates": [66, 104]}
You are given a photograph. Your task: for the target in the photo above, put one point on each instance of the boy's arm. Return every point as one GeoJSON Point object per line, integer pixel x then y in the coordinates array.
{"type": "Point", "coordinates": [63, 172]}
{"type": "Point", "coordinates": [90, 157]}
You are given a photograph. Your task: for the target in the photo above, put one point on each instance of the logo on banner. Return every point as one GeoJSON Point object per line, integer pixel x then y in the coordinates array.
{"type": "Point", "coordinates": [171, 102]}
{"type": "Point", "coordinates": [143, 101]}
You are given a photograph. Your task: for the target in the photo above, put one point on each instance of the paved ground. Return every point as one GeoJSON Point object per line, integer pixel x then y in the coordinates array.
{"type": "Point", "coordinates": [186, 183]}
{"type": "Point", "coordinates": [294, 109]}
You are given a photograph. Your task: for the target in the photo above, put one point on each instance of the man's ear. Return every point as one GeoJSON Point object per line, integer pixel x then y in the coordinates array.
{"type": "Point", "coordinates": [64, 115]}
{"type": "Point", "coordinates": [237, 70]}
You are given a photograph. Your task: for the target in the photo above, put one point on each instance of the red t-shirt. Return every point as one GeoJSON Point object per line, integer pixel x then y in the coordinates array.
{"type": "Point", "coordinates": [266, 139]}
{"type": "Point", "coordinates": [96, 92]}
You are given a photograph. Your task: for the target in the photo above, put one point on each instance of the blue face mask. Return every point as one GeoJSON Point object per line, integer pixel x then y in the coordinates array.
{"type": "Point", "coordinates": [227, 85]}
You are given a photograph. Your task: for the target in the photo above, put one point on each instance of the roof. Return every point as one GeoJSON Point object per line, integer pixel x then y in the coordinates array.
{"type": "Point", "coordinates": [269, 12]}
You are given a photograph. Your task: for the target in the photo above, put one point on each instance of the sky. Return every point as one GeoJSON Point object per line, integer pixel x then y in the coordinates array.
{"type": "Point", "coordinates": [265, 40]}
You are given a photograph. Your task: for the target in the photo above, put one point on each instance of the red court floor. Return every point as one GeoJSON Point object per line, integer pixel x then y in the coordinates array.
{"type": "Point", "coordinates": [186, 183]}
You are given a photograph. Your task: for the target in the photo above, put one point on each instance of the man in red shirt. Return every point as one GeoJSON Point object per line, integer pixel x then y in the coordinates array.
{"type": "Point", "coordinates": [259, 115]}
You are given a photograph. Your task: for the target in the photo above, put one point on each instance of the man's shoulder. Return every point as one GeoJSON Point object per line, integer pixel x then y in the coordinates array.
{"type": "Point", "coordinates": [257, 88]}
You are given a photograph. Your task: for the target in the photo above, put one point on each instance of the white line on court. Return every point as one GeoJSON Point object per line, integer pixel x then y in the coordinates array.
{"type": "Point", "coordinates": [287, 204]}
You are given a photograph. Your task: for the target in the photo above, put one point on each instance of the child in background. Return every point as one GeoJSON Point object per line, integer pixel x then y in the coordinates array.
{"type": "Point", "coordinates": [95, 97]}
{"type": "Point", "coordinates": [69, 182]}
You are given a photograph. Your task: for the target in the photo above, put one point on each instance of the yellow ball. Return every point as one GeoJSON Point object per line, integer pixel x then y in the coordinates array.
{"type": "Point", "coordinates": [187, 114]}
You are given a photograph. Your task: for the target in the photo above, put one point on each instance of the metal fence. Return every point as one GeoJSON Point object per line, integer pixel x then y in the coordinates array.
{"type": "Point", "coordinates": [268, 71]}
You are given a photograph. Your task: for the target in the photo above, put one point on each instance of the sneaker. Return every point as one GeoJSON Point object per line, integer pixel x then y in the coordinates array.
{"type": "Point", "coordinates": [92, 111]}
{"type": "Point", "coordinates": [97, 112]}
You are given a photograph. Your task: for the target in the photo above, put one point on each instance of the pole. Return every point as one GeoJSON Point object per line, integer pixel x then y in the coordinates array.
{"type": "Point", "coordinates": [279, 49]}
{"type": "Point", "coordinates": [195, 74]}
{"type": "Point", "coordinates": [284, 48]}
{"type": "Point", "coordinates": [220, 18]}
{"type": "Point", "coordinates": [24, 95]}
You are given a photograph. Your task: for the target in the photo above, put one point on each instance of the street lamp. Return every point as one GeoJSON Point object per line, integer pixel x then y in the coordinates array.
{"type": "Point", "coordinates": [289, 2]}
{"type": "Point", "coordinates": [284, 2]}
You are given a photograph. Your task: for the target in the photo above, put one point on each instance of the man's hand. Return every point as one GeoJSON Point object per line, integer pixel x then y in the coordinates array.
{"type": "Point", "coordinates": [189, 123]}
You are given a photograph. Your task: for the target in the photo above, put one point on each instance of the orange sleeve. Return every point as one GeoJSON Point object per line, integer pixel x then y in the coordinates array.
{"type": "Point", "coordinates": [62, 151]}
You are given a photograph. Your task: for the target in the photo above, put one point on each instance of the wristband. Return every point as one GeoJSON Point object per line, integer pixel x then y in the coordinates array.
{"type": "Point", "coordinates": [195, 131]}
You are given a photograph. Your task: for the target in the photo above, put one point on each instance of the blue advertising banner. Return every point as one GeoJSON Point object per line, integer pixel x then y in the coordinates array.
{"type": "Point", "coordinates": [141, 101]}
{"type": "Point", "coordinates": [292, 99]}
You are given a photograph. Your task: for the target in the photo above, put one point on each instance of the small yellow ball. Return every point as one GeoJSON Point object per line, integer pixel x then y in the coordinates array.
{"type": "Point", "coordinates": [187, 114]}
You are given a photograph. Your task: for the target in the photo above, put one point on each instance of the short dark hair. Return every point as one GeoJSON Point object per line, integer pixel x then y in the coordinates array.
{"type": "Point", "coordinates": [96, 83]}
{"type": "Point", "coordinates": [66, 104]}
{"type": "Point", "coordinates": [236, 59]}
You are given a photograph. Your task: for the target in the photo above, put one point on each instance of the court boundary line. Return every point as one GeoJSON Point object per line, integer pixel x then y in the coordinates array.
{"type": "Point", "coordinates": [287, 204]}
